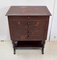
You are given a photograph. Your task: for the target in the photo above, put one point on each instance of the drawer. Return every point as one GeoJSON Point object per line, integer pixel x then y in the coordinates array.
{"type": "Point", "coordinates": [36, 35]}
{"type": "Point", "coordinates": [36, 32]}
{"type": "Point", "coordinates": [36, 24]}
{"type": "Point", "coordinates": [17, 18]}
{"type": "Point", "coordinates": [38, 18]}
{"type": "Point", "coordinates": [18, 34]}
{"type": "Point", "coordinates": [19, 37]}
{"type": "Point", "coordinates": [18, 24]}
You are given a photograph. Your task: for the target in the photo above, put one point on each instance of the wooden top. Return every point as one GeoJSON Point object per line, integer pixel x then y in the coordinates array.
{"type": "Point", "coordinates": [28, 10]}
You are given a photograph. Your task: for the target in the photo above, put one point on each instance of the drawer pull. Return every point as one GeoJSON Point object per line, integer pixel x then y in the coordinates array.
{"type": "Point", "coordinates": [18, 23]}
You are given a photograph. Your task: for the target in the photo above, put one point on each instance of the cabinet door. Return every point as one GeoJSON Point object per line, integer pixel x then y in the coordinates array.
{"type": "Point", "coordinates": [18, 28]}
{"type": "Point", "coordinates": [37, 28]}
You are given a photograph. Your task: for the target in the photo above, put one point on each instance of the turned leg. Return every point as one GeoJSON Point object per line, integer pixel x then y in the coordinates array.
{"type": "Point", "coordinates": [14, 48]}
{"type": "Point", "coordinates": [43, 43]}
{"type": "Point", "coordinates": [43, 49]}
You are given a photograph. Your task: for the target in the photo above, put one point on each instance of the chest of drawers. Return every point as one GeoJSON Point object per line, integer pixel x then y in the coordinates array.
{"type": "Point", "coordinates": [28, 24]}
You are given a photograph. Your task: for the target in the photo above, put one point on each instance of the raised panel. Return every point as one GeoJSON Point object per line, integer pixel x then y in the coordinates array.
{"type": "Point", "coordinates": [37, 27]}
{"type": "Point", "coordinates": [18, 29]}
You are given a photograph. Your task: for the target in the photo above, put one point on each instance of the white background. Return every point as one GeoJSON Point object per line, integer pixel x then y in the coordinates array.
{"type": "Point", "coordinates": [5, 4]}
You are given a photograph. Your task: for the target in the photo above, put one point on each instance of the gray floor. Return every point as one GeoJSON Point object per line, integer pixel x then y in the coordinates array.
{"type": "Point", "coordinates": [6, 52]}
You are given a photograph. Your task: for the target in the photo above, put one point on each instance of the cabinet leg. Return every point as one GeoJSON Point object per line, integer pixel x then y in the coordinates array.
{"type": "Point", "coordinates": [43, 50]}
{"type": "Point", "coordinates": [14, 48]}
{"type": "Point", "coordinates": [14, 51]}
{"type": "Point", "coordinates": [43, 43]}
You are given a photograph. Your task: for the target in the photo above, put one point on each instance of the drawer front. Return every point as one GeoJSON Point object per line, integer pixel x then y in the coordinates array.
{"type": "Point", "coordinates": [17, 18]}
{"type": "Point", "coordinates": [35, 22]}
{"type": "Point", "coordinates": [36, 25]}
{"type": "Point", "coordinates": [19, 27]}
{"type": "Point", "coordinates": [38, 18]}
{"type": "Point", "coordinates": [36, 35]}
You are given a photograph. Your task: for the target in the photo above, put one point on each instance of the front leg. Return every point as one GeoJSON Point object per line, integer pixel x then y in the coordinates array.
{"type": "Point", "coordinates": [14, 46]}
{"type": "Point", "coordinates": [43, 43]}
{"type": "Point", "coordinates": [43, 49]}
{"type": "Point", "coordinates": [14, 49]}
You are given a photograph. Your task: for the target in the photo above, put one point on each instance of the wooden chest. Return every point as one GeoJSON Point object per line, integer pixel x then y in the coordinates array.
{"type": "Point", "coordinates": [28, 25]}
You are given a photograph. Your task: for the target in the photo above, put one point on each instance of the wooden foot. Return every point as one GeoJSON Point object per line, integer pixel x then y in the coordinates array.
{"type": "Point", "coordinates": [43, 43]}
{"type": "Point", "coordinates": [14, 48]}
{"type": "Point", "coordinates": [14, 51]}
{"type": "Point", "coordinates": [42, 50]}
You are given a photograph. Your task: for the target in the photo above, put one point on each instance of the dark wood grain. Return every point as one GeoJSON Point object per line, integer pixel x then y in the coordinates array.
{"type": "Point", "coordinates": [28, 10]}
{"type": "Point", "coordinates": [28, 24]}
